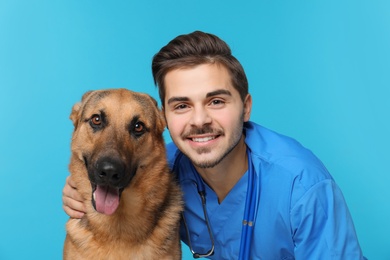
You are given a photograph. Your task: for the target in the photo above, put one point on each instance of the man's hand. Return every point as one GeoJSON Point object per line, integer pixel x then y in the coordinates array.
{"type": "Point", "coordinates": [72, 201]}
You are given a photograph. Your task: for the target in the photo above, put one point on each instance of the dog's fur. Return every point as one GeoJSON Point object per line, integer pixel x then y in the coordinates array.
{"type": "Point", "coordinates": [117, 146]}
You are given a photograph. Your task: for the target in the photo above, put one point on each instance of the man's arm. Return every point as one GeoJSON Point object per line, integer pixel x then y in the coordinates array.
{"type": "Point", "coordinates": [322, 225]}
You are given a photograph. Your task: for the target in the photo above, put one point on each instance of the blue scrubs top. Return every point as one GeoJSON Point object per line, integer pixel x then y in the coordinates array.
{"type": "Point", "coordinates": [301, 212]}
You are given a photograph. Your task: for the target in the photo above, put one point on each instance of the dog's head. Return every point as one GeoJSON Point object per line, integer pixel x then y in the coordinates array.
{"type": "Point", "coordinates": [116, 133]}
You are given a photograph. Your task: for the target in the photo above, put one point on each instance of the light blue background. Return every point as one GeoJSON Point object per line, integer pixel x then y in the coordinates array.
{"type": "Point", "coordinates": [318, 71]}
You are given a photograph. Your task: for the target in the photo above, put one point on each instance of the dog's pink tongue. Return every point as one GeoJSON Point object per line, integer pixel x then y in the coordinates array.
{"type": "Point", "coordinates": [106, 199]}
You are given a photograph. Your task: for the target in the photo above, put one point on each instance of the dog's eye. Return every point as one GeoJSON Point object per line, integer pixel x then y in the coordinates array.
{"type": "Point", "coordinates": [138, 127]}
{"type": "Point", "coordinates": [96, 120]}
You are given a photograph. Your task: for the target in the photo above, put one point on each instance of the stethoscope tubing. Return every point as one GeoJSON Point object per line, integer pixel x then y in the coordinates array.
{"type": "Point", "coordinates": [251, 201]}
{"type": "Point", "coordinates": [249, 213]}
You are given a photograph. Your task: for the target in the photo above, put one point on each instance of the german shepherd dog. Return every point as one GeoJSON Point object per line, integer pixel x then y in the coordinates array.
{"type": "Point", "coordinates": [119, 164]}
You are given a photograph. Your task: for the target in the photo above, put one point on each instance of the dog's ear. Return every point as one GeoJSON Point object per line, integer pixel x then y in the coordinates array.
{"type": "Point", "coordinates": [161, 121]}
{"type": "Point", "coordinates": [160, 124]}
{"type": "Point", "coordinates": [74, 115]}
{"type": "Point", "coordinates": [153, 100]}
{"type": "Point", "coordinates": [76, 109]}
{"type": "Point", "coordinates": [162, 115]}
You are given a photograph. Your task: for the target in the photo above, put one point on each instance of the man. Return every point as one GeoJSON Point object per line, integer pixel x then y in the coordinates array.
{"type": "Point", "coordinates": [249, 192]}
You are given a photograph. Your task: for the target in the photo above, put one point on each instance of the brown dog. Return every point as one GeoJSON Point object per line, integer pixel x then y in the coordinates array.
{"type": "Point", "coordinates": [119, 164]}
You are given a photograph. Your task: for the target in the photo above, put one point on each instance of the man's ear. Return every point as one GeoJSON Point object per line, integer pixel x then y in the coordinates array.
{"type": "Point", "coordinates": [247, 107]}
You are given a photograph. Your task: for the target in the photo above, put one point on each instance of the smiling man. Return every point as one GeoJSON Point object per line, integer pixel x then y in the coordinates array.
{"type": "Point", "coordinates": [249, 193]}
{"type": "Point", "coordinates": [205, 115]}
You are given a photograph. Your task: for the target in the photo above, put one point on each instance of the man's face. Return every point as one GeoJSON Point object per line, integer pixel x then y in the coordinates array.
{"type": "Point", "coordinates": [204, 113]}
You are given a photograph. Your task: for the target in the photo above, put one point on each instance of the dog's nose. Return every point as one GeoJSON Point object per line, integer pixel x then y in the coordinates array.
{"type": "Point", "coordinates": [110, 171]}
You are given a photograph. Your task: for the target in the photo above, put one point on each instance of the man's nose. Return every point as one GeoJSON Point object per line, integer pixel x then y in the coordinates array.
{"type": "Point", "coordinates": [200, 117]}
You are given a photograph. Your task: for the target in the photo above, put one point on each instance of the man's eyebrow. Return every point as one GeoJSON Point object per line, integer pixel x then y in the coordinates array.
{"type": "Point", "coordinates": [219, 92]}
{"type": "Point", "coordinates": [177, 99]}
{"type": "Point", "coordinates": [210, 94]}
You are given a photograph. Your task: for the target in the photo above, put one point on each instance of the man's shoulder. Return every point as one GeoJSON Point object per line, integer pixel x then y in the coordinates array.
{"type": "Point", "coordinates": [284, 154]}
{"type": "Point", "coordinates": [272, 145]}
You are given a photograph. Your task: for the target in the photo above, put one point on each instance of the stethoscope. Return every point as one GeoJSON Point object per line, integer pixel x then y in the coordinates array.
{"type": "Point", "coordinates": [250, 211]}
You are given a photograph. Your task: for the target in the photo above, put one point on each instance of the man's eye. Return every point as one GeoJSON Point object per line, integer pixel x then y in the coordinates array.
{"type": "Point", "coordinates": [181, 106]}
{"type": "Point", "coordinates": [217, 102]}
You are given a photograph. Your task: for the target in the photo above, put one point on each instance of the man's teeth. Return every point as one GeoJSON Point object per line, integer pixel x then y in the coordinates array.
{"type": "Point", "coordinates": [203, 139]}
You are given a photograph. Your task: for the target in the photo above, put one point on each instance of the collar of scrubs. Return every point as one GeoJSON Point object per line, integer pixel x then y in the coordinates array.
{"type": "Point", "coordinates": [250, 201]}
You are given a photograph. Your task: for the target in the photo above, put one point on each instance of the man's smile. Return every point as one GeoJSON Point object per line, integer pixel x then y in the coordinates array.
{"type": "Point", "coordinates": [202, 139]}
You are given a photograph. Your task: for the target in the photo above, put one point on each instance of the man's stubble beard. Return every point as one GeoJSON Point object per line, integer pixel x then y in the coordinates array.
{"type": "Point", "coordinates": [237, 134]}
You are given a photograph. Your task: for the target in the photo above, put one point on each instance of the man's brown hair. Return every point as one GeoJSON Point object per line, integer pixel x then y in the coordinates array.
{"type": "Point", "coordinates": [189, 50]}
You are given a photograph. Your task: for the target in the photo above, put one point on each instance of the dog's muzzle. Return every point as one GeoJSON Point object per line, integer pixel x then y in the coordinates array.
{"type": "Point", "coordinates": [108, 179]}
